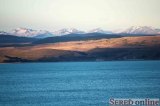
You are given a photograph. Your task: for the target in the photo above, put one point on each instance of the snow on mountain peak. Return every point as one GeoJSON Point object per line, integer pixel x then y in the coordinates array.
{"type": "Point", "coordinates": [66, 31]}
{"type": "Point", "coordinates": [24, 32]}
{"type": "Point", "coordinates": [99, 30]}
{"type": "Point", "coordinates": [3, 33]}
{"type": "Point", "coordinates": [141, 30]}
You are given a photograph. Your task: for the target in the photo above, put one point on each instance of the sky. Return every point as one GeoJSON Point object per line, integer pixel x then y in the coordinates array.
{"type": "Point", "coordinates": [81, 14]}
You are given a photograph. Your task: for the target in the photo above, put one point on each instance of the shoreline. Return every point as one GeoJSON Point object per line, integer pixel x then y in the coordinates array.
{"type": "Point", "coordinates": [138, 60]}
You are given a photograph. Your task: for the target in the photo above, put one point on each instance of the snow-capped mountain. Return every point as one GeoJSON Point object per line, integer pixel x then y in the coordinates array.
{"type": "Point", "coordinates": [24, 32]}
{"type": "Point", "coordinates": [99, 30]}
{"type": "Point", "coordinates": [44, 34]}
{"type": "Point", "coordinates": [3, 33]}
{"type": "Point", "coordinates": [141, 30]}
{"type": "Point", "coordinates": [66, 31]}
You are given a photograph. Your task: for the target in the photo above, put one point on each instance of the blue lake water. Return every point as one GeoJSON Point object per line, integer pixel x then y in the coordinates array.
{"type": "Point", "coordinates": [77, 83]}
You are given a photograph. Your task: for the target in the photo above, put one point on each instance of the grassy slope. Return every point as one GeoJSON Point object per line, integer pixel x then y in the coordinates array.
{"type": "Point", "coordinates": [106, 49]}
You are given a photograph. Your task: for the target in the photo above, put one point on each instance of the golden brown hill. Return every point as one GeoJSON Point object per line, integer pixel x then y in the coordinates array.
{"type": "Point", "coordinates": [124, 42]}
{"type": "Point", "coordinates": [76, 50]}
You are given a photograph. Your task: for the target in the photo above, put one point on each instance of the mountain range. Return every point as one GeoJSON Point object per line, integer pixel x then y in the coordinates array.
{"type": "Point", "coordinates": [28, 45]}
{"type": "Point", "coordinates": [141, 30]}
{"type": "Point", "coordinates": [25, 32]}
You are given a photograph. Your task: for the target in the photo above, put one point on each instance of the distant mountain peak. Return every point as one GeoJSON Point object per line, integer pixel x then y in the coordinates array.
{"type": "Point", "coordinates": [26, 32]}
{"type": "Point", "coordinates": [3, 33]}
{"type": "Point", "coordinates": [66, 31]}
{"type": "Point", "coordinates": [96, 30]}
{"type": "Point", "coordinates": [141, 30]}
{"type": "Point", "coordinates": [99, 30]}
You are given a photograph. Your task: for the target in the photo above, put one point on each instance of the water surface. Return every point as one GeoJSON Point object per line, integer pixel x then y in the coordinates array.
{"type": "Point", "coordinates": [77, 83]}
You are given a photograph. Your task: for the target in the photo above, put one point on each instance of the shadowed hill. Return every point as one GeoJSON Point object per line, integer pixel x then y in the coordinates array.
{"type": "Point", "coordinates": [75, 37]}
{"type": "Point", "coordinates": [10, 39]}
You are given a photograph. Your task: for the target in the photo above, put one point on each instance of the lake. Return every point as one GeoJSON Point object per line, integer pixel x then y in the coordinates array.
{"type": "Point", "coordinates": [77, 83]}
